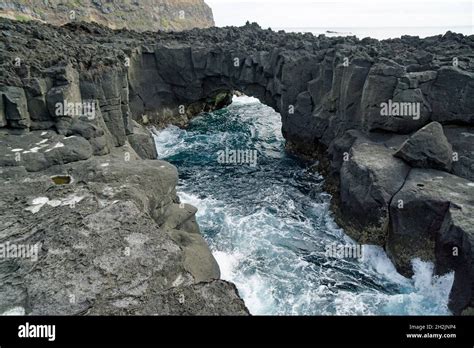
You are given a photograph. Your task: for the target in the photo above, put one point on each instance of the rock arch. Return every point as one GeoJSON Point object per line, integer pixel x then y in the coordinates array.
{"type": "Point", "coordinates": [327, 90]}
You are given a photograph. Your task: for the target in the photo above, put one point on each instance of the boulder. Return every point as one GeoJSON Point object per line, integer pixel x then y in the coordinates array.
{"type": "Point", "coordinates": [142, 142]}
{"type": "Point", "coordinates": [85, 128]}
{"type": "Point", "coordinates": [179, 221]}
{"type": "Point", "coordinates": [369, 179]}
{"type": "Point", "coordinates": [70, 149]}
{"type": "Point", "coordinates": [451, 96]}
{"type": "Point", "coordinates": [15, 106]}
{"type": "Point", "coordinates": [427, 148]}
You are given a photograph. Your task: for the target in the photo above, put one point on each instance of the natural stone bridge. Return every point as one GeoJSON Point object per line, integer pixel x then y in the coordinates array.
{"type": "Point", "coordinates": [402, 181]}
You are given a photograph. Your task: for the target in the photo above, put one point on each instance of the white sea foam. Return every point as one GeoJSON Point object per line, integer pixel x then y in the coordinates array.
{"type": "Point", "coordinates": [270, 240]}
{"type": "Point", "coordinates": [228, 263]}
{"type": "Point", "coordinates": [376, 258]}
{"type": "Point", "coordinates": [168, 140]}
{"type": "Point", "coordinates": [242, 100]}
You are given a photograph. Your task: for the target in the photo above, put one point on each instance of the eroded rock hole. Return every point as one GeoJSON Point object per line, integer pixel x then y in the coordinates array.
{"type": "Point", "coordinates": [62, 179]}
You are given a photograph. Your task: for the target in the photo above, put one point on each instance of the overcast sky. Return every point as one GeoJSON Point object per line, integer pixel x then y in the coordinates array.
{"type": "Point", "coordinates": [344, 13]}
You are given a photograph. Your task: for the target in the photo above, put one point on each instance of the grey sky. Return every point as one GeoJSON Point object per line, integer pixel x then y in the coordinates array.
{"type": "Point", "coordinates": [344, 13]}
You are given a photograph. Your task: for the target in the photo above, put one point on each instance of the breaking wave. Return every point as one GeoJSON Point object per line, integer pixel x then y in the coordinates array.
{"type": "Point", "coordinates": [269, 226]}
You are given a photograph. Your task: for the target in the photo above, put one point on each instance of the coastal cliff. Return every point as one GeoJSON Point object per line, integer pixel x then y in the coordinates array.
{"type": "Point", "coordinates": [399, 180]}
{"type": "Point", "coordinates": [139, 15]}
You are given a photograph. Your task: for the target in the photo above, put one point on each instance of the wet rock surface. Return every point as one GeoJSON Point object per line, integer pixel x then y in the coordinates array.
{"type": "Point", "coordinates": [351, 102]}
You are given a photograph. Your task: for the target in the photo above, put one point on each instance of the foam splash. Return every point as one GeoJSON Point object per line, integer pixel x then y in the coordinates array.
{"type": "Point", "coordinates": [238, 254]}
{"type": "Point", "coordinates": [168, 141]}
{"type": "Point", "coordinates": [243, 100]}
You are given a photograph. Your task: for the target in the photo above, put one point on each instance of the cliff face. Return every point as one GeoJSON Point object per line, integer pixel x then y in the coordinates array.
{"type": "Point", "coordinates": [139, 15]}
{"type": "Point", "coordinates": [400, 180]}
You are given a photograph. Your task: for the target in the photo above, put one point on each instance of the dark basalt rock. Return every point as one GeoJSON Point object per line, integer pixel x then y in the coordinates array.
{"type": "Point", "coordinates": [462, 140]}
{"type": "Point", "coordinates": [431, 218]}
{"type": "Point", "coordinates": [428, 148]}
{"type": "Point", "coordinates": [329, 92]}
{"type": "Point", "coordinates": [448, 96]}
{"type": "Point", "coordinates": [15, 107]}
{"type": "Point", "coordinates": [454, 248]}
{"type": "Point", "coordinates": [101, 246]}
{"type": "Point", "coordinates": [141, 142]}
{"type": "Point", "coordinates": [368, 180]}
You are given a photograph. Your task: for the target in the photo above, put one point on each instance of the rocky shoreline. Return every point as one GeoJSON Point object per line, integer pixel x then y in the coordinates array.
{"type": "Point", "coordinates": [399, 180]}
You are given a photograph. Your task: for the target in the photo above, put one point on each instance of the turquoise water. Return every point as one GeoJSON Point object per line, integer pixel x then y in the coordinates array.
{"type": "Point", "coordinates": [269, 225]}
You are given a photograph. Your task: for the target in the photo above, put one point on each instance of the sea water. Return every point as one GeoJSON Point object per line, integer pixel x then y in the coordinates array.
{"type": "Point", "coordinates": [382, 33]}
{"type": "Point", "coordinates": [269, 226]}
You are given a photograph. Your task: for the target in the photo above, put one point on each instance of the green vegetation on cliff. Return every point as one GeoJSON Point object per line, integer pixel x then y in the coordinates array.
{"type": "Point", "coordinates": [140, 15]}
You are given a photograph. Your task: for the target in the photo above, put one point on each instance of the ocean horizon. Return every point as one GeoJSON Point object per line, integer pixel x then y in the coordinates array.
{"type": "Point", "coordinates": [380, 33]}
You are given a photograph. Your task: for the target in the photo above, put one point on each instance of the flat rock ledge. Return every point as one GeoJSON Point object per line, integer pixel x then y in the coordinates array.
{"type": "Point", "coordinates": [108, 240]}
